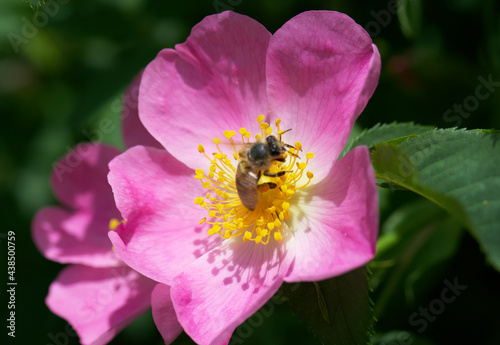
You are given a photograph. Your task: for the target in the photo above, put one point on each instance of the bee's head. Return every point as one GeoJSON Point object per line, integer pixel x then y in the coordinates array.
{"type": "Point", "coordinates": [275, 149]}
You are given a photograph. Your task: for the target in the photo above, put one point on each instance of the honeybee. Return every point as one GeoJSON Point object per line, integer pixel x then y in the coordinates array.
{"type": "Point", "coordinates": [255, 160]}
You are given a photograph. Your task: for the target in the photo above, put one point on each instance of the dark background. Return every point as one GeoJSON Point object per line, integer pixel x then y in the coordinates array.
{"type": "Point", "coordinates": [58, 82]}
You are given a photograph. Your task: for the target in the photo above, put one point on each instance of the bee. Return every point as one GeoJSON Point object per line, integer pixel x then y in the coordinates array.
{"type": "Point", "coordinates": [255, 160]}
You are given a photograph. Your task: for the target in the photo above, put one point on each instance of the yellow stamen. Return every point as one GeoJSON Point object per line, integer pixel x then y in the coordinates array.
{"type": "Point", "coordinates": [227, 216]}
{"type": "Point", "coordinates": [113, 223]}
{"type": "Point", "coordinates": [277, 236]}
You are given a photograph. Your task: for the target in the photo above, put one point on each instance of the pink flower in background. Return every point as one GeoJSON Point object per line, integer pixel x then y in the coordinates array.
{"type": "Point", "coordinates": [317, 220]}
{"type": "Point", "coordinates": [97, 294]}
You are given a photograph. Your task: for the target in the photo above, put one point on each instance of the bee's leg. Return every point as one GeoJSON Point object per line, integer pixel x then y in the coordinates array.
{"type": "Point", "coordinates": [281, 173]}
{"type": "Point", "coordinates": [282, 160]}
{"type": "Point", "coordinates": [293, 154]}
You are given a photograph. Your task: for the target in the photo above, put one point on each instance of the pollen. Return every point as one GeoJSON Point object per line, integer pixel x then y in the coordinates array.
{"type": "Point", "coordinates": [226, 215]}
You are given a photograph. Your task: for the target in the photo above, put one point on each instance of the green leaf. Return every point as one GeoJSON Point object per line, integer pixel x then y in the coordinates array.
{"type": "Point", "coordinates": [343, 300]}
{"type": "Point", "coordinates": [385, 132]}
{"type": "Point", "coordinates": [410, 17]}
{"type": "Point", "coordinates": [380, 133]}
{"type": "Point", "coordinates": [415, 240]}
{"type": "Point", "coordinates": [34, 4]}
{"type": "Point", "coordinates": [400, 338]}
{"type": "Point", "coordinates": [458, 170]}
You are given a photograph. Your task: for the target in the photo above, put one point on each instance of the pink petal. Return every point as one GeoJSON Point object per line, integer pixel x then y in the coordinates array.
{"type": "Point", "coordinates": [339, 228]}
{"type": "Point", "coordinates": [99, 302]}
{"type": "Point", "coordinates": [164, 313]}
{"type": "Point", "coordinates": [321, 70]}
{"type": "Point", "coordinates": [220, 290]}
{"type": "Point", "coordinates": [79, 178]}
{"type": "Point", "coordinates": [212, 83]}
{"type": "Point", "coordinates": [79, 237]}
{"type": "Point", "coordinates": [155, 194]}
{"type": "Point", "coordinates": [134, 132]}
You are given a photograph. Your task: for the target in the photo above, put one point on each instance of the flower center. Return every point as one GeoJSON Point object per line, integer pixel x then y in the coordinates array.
{"type": "Point", "coordinates": [252, 197]}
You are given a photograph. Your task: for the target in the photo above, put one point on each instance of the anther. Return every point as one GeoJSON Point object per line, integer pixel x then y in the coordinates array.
{"type": "Point", "coordinates": [277, 236]}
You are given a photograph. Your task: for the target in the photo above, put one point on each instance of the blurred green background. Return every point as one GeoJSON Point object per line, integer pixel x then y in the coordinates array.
{"type": "Point", "coordinates": [65, 65]}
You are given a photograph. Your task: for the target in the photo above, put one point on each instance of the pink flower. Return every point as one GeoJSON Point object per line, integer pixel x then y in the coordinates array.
{"type": "Point", "coordinates": [316, 220]}
{"type": "Point", "coordinates": [97, 294]}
